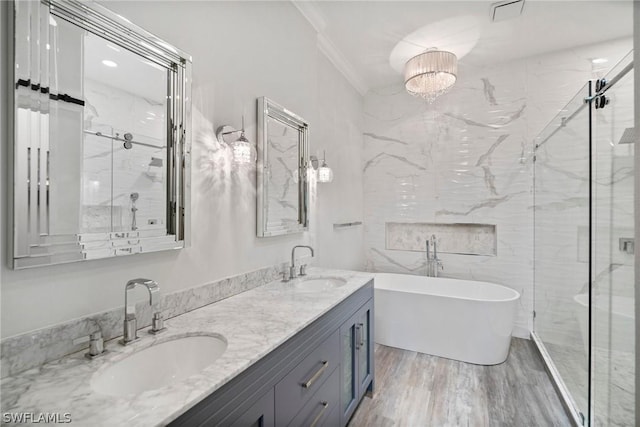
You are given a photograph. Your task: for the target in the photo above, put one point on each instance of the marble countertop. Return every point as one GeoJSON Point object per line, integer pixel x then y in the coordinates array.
{"type": "Point", "coordinates": [254, 323]}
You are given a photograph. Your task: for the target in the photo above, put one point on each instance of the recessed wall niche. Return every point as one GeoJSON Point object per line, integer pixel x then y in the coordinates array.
{"type": "Point", "coordinates": [464, 239]}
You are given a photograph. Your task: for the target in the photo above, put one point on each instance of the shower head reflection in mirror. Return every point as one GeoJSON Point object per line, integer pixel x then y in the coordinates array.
{"type": "Point", "coordinates": [110, 105]}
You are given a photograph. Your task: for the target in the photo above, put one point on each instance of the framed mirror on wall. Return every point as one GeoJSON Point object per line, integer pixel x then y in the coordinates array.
{"type": "Point", "coordinates": [282, 181]}
{"type": "Point", "coordinates": [101, 139]}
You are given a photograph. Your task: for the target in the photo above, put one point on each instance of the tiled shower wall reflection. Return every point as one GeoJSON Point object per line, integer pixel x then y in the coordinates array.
{"type": "Point", "coordinates": [111, 173]}
{"type": "Point", "coordinates": [467, 158]}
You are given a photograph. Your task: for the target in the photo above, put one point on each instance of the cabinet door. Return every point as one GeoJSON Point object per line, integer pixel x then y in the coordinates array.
{"type": "Point", "coordinates": [260, 414]}
{"type": "Point", "coordinates": [364, 346]}
{"type": "Point", "coordinates": [348, 370]}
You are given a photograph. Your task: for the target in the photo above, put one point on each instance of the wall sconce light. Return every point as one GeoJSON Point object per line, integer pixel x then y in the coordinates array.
{"type": "Point", "coordinates": [241, 147]}
{"type": "Point", "coordinates": [325, 174]}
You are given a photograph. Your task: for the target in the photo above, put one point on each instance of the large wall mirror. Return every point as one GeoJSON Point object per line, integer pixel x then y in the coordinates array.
{"type": "Point", "coordinates": [101, 136]}
{"type": "Point", "coordinates": [282, 170]}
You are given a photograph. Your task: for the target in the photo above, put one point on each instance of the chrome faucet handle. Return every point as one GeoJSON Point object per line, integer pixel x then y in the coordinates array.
{"type": "Point", "coordinates": [303, 270]}
{"type": "Point", "coordinates": [130, 329]}
{"type": "Point", "coordinates": [285, 276]}
{"type": "Point", "coordinates": [96, 344]}
{"type": "Point", "coordinates": [292, 272]}
{"type": "Point", "coordinates": [157, 324]}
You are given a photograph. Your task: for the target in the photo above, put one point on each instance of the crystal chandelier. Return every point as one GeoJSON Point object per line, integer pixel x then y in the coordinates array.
{"type": "Point", "coordinates": [430, 74]}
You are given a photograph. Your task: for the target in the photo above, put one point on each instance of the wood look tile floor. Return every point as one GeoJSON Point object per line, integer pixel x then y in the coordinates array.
{"type": "Point", "coordinates": [414, 390]}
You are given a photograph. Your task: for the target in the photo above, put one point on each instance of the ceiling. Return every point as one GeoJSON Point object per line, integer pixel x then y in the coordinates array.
{"type": "Point", "coordinates": [364, 33]}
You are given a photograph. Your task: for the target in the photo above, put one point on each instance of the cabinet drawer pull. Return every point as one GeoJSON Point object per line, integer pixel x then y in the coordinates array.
{"type": "Point", "coordinates": [318, 417]}
{"type": "Point", "coordinates": [317, 375]}
{"type": "Point", "coordinates": [361, 328]}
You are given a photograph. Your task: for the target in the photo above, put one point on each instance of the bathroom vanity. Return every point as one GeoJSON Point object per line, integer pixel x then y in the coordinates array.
{"type": "Point", "coordinates": [295, 353]}
{"type": "Point", "coordinates": [315, 378]}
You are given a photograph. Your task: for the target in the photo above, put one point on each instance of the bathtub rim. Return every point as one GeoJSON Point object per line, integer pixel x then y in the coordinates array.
{"type": "Point", "coordinates": [515, 297]}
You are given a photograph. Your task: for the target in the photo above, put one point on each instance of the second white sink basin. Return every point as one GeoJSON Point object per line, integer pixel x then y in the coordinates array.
{"type": "Point", "coordinates": [319, 283]}
{"type": "Point", "coordinates": [159, 365]}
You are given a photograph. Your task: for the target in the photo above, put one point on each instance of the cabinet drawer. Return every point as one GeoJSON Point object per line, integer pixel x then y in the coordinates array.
{"type": "Point", "coordinates": [306, 379]}
{"type": "Point", "coordinates": [322, 407]}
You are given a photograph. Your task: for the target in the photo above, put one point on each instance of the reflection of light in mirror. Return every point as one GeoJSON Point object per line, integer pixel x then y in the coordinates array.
{"type": "Point", "coordinates": [112, 47]}
{"type": "Point", "coordinates": [52, 21]}
{"type": "Point", "coordinates": [157, 67]}
{"type": "Point", "coordinates": [123, 18]}
{"type": "Point", "coordinates": [151, 113]}
{"type": "Point", "coordinates": [152, 48]}
{"type": "Point", "coordinates": [109, 63]}
{"type": "Point", "coordinates": [599, 60]}
{"type": "Point", "coordinates": [167, 46]}
{"type": "Point", "coordinates": [48, 46]}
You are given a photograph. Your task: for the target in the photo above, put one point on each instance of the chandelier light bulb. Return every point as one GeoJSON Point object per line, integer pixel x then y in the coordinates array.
{"type": "Point", "coordinates": [430, 74]}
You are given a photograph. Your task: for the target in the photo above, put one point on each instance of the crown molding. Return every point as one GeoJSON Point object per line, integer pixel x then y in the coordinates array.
{"type": "Point", "coordinates": [343, 65]}
{"type": "Point", "coordinates": [328, 48]}
{"type": "Point", "coordinates": [311, 13]}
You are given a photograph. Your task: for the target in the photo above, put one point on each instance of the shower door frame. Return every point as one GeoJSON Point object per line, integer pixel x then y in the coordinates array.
{"type": "Point", "coordinates": [576, 416]}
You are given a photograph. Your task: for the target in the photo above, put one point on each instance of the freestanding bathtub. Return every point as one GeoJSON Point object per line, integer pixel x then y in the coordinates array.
{"type": "Point", "coordinates": [457, 319]}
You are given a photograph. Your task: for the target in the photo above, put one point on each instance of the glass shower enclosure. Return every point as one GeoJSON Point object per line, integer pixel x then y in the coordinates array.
{"type": "Point", "coordinates": [584, 250]}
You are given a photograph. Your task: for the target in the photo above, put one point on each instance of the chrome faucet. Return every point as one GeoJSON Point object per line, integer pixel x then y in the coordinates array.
{"type": "Point", "coordinates": [130, 333]}
{"type": "Point", "coordinates": [433, 263]}
{"type": "Point", "coordinates": [292, 269]}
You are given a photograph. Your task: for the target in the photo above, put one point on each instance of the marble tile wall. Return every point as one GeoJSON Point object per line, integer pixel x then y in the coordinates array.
{"type": "Point", "coordinates": [282, 176]}
{"type": "Point", "coordinates": [468, 157]}
{"type": "Point", "coordinates": [35, 348]}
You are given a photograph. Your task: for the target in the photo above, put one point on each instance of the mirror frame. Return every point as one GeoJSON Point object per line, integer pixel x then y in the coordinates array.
{"type": "Point", "coordinates": [41, 249]}
{"type": "Point", "coordinates": [269, 109]}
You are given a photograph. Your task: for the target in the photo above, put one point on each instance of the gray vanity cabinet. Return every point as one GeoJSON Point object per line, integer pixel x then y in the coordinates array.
{"type": "Point", "coordinates": [365, 349]}
{"type": "Point", "coordinates": [316, 378]}
{"type": "Point", "coordinates": [261, 414]}
{"type": "Point", "coordinates": [356, 355]}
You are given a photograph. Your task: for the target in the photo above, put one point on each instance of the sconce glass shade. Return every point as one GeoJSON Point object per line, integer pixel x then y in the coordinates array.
{"type": "Point", "coordinates": [325, 174]}
{"type": "Point", "coordinates": [431, 74]}
{"type": "Point", "coordinates": [242, 152]}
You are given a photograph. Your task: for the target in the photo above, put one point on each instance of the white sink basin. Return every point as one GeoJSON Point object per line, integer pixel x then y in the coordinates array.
{"type": "Point", "coordinates": [319, 283]}
{"type": "Point", "coordinates": [159, 365]}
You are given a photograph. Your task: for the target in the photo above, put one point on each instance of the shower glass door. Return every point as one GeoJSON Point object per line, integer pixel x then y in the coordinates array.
{"type": "Point", "coordinates": [612, 303]}
{"type": "Point", "coordinates": [584, 249]}
{"type": "Point", "coordinates": [561, 246]}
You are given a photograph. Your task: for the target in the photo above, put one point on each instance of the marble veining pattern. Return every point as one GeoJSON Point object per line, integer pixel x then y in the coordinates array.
{"type": "Point", "coordinates": [468, 158]}
{"type": "Point", "coordinates": [32, 349]}
{"type": "Point", "coordinates": [469, 239]}
{"type": "Point", "coordinates": [254, 323]}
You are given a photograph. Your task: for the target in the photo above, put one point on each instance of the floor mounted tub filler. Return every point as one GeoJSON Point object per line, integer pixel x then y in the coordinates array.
{"type": "Point", "coordinates": [462, 320]}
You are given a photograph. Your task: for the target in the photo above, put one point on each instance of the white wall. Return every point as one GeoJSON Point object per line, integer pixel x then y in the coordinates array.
{"type": "Point", "coordinates": [468, 159]}
{"type": "Point", "coordinates": [241, 51]}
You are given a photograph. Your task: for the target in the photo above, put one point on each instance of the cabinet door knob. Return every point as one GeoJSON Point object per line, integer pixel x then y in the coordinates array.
{"type": "Point", "coordinates": [317, 375]}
